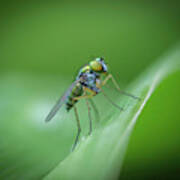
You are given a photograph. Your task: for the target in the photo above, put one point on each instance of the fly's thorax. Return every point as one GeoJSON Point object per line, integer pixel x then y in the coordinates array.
{"type": "Point", "coordinates": [90, 81]}
{"type": "Point", "coordinates": [85, 69]}
{"type": "Point", "coordinates": [82, 71]}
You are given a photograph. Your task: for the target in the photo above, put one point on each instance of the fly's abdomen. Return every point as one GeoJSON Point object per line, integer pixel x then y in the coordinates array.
{"type": "Point", "coordinates": [76, 91]}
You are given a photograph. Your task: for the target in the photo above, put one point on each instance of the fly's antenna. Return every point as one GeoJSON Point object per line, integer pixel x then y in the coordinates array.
{"type": "Point", "coordinates": [107, 97]}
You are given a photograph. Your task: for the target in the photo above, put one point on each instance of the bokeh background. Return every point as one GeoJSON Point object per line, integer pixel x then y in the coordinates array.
{"type": "Point", "coordinates": [42, 46]}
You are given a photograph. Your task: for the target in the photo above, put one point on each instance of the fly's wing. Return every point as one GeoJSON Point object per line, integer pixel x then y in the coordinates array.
{"type": "Point", "coordinates": [60, 102]}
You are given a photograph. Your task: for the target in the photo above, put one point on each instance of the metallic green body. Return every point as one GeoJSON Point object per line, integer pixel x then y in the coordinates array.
{"type": "Point", "coordinates": [86, 85]}
{"type": "Point", "coordinates": [91, 73]}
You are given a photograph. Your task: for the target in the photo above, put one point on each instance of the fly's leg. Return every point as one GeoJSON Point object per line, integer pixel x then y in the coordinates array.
{"type": "Point", "coordinates": [78, 126]}
{"type": "Point", "coordinates": [95, 109]}
{"type": "Point", "coordinates": [90, 118]}
{"type": "Point", "coordinates": [115, 105]}
{"type": "Point", "coordinates": [83, 97]}
{"type": "Point", "coordinates": [86, 96]}
{"type": "Point", "coordinates": [117, 86]}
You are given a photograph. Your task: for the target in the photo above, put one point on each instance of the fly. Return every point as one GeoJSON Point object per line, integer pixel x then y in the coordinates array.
{"type": "Point", "coordinates": [88, 83]}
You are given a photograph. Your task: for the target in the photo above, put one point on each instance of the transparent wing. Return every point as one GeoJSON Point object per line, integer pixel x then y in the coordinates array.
{"type": "Point", "coordinates": [60, 102]}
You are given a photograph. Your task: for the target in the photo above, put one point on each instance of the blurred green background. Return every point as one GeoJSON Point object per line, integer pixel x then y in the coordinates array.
{"type": "Point", "coordinates": [42, 46]}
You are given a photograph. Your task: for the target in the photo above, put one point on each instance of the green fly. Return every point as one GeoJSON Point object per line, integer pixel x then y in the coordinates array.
{"type": "Point", "coordinates": [88, 83]}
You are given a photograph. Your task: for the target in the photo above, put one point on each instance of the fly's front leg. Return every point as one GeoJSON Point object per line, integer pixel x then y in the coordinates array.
{"type": "Point", "coordinates": [117, 86]}
{"type": "Point", "coordinates": [78, 126]}
{"type": "Point", "coordinates": [109, 76]}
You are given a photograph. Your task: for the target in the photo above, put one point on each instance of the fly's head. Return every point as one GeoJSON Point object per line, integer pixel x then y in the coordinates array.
{"type": "Point", "coordinates": [99, 65]}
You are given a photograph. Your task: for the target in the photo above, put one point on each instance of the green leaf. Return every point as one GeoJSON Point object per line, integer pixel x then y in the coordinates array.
{"type": "Point", "coordinates": [100, 156]}
{"type": "Point", "coordinates": [32, 149]}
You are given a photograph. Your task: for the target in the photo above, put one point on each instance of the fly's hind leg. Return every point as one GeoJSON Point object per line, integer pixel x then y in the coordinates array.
{"type": "Point", "coordinates": [78, 126]}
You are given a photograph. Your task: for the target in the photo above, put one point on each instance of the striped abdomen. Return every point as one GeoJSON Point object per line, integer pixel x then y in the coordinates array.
{"type": "Point", "coordinates": [76, 91]}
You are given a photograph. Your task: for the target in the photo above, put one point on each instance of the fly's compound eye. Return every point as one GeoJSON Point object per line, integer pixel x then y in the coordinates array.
{"type": "Point", "coordinates": [96, 66]}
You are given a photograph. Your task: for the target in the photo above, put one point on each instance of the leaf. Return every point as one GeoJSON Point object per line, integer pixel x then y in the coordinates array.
{"type": "Point", "coordinates": [32, 149]}
{"type": "Point", "coordinates": [101, 155]}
